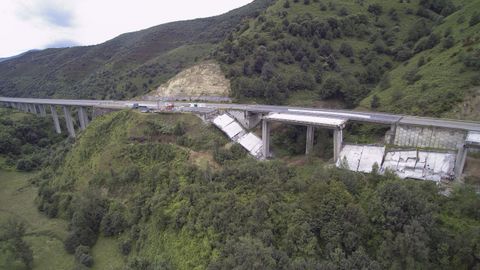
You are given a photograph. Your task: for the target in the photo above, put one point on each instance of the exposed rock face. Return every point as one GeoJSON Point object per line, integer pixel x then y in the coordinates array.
{"type": "Point", "coordinates": [204, 79]}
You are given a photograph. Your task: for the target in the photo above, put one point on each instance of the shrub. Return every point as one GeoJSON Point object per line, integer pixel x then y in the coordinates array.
{"type": "Point", "coordinates": [113, 223]}
{"type": "Point", "coordinates": [412, 76]}
{"type": "Point", "coordinates": [346, 49]}
{"type": "Point", "coordinates": [448, 42]}
{"type": "Point", "coordinates": [82, 255]}
{"type": "Point", "coordinates": [375, 9]}
{"type": "Point", "coordinates": [126, 247]}
{"type": "Point", "coordinates": [25, 165]}
{"type": "Point", "coordinates": [474, 19]}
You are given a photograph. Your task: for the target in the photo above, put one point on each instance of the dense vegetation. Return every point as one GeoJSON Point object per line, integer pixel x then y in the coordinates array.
{"type": "Point", "coordinates": [418, 57]}
{"type": "Point", "coordinates": [178, 198]}
{"type": "Point", "coordinates": [25, 140]}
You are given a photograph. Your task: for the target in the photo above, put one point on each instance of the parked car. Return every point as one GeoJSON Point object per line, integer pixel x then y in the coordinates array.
{"type": "Point", "coordinates": [169, 107]}
{"type": "Point", "coordinates": [135, 106]}
{"type": "Point", "coordinates": [144, 109]}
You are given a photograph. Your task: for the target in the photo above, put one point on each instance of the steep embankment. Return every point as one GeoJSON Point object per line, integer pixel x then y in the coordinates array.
{"type": "Point", "coordinates": [418, 57]}
{"type": "Point", "coordinates": [123, 67]}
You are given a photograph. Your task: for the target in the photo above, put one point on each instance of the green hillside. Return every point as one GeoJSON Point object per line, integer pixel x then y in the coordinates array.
{"type": "Point", "coordinates": [165, 192]}
{"type": "Point", "coordinates": [417, 57]}
{"type": "Point", "coordinates": [124, 67]}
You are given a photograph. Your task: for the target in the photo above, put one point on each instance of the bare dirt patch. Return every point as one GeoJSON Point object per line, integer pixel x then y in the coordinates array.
{"type": "Point", "coordinates": [204, 79]}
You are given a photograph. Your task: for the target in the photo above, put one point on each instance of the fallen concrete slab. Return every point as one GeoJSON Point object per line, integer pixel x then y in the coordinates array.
{"type": "Point", "coordinates": [361, 158]}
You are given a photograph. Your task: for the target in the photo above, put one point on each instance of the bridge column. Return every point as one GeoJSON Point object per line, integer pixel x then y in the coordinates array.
{"type": "Point", "coordinates": [56, 123]}
{"type": "Point", "coordinates": [266, 138]}
{"type": "Point", "coordinates": [337, 143]}
{"type": "Point", "coordinates": [310, 136]}
{"type": "Point", "coordinates": [43, 111]}
{"type": "Point", "coordinates": [69, 122]}
{"type": "Point", "coordinates": [32, 108]}
{"type": "Point", "coordinates": [460, 161]}
{"type": "Point", "coordinates": [82, 117]}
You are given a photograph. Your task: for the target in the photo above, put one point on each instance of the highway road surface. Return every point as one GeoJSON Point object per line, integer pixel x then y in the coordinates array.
{"type": "Point", "coordinates": [369, 117]}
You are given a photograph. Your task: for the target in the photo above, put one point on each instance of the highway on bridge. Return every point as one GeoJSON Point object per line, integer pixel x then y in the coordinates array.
{"type": "Point", "coordinates": [370, 117]}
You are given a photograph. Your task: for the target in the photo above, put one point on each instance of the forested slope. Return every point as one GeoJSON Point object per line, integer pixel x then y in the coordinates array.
{"type": "Point", "coordinates": [174, 197]}
{"type": "Point", "coordinates": [417, 57]}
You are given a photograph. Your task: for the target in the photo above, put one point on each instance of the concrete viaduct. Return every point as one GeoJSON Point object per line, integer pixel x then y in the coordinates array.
{"type": "Point", "coordinates": [405, 131]}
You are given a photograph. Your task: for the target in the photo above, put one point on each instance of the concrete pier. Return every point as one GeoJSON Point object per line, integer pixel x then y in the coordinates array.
{"type": "Point", "coordinates": [337, 143]}
{"type": "Point", "coordinates": [460, 161]}
{"type": "Point", "coordinates": [310, 137]}
{"type": "Point", "coordinates": [43, 111]}
{"type": "Point", "coordinates": [31, 108]}
{"type": "Point", "coordinates": [56, 123]}
{"type": "Point", "coordinates": [69, 121]}
{"type": "Point", "coordinates": [82, 117]}
{"type": "Point", "coordinates": [266, 138]}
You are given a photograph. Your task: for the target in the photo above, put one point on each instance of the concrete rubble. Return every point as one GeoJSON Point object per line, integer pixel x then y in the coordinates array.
{"type": "Point", "coordinates": [421, 165]}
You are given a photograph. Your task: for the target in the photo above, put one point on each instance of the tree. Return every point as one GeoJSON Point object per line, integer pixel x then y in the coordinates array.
{"type": "Point", "coordinates": [332, 87]}
{"type": "Point", "coordinates": [286, 4]}
{"type": "Point", "coordinates": [375, 103]}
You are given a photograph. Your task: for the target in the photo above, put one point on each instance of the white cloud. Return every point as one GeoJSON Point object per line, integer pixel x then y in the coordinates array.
{"type": "Point", "coordinates": [34, 24]}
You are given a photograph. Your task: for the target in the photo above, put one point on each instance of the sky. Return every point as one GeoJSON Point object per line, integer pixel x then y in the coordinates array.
{"type": "Point", "coordinates": [40, 24]}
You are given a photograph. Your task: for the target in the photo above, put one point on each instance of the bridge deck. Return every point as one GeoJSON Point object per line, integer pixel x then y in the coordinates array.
{"type": "Point", "coordinates": [307, 120]}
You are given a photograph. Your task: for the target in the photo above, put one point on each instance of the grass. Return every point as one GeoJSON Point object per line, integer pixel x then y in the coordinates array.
{"type": "Point", "coordinates": [44, 235]}
{"type": "Point", "coordinates": [106, 255]}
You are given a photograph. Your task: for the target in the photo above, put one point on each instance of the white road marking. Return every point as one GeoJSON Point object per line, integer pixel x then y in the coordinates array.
{"type": "Point", "coordinates": [332, 113]}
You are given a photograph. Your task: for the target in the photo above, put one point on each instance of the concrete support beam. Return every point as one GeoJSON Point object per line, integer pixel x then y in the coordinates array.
{"type": "Point", "coordinates": [43, 111]}
{"type": "Point", "coordinates": [25, 107]}
{"type": "Point", "coordinates": [69, 121]}
{"type": "Point", "coordinates": [82, 117]}
{"type": "Point", "coordinates": [266, 138]}
{"type": "Point", "coordinates": [337, 143]}
{"type": "Point", "coordinates": [310, 136]}
{"type": "Point", "coordinates": [56, 123]}
{"type": "Point", "coordinates": [460, 161]}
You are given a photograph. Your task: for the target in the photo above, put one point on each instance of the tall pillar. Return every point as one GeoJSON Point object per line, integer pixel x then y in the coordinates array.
{"type": "Point", "coordinates": [56, 123]}
{"type": "Point", "coordinates": [43, 111]}
{"type": "Point", "coordinates": [69, 122]}
{"type": "Point", "coordinates": [310, 136]}
{"type": "Point", "coordinates": [460, 161]}
{"type": "Point", "coordinates": [82, 117]}
{"type": "Point", "coordinates": [337, 143]}
{"type": "Point", "coordinates": [25, 107]}
{"type": "Point", "coordinates": [32, 108]}
{"type": "Point", "coordinates": [266, 138]}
